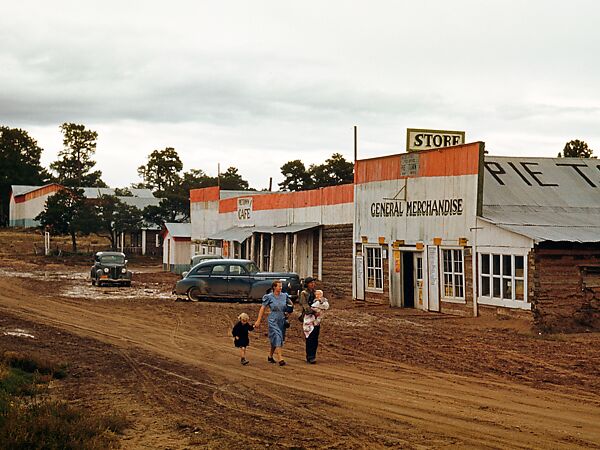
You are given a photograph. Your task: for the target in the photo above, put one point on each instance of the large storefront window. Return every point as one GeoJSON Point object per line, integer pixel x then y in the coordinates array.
{"type": "Point", "coordinates": [374, 269]}
{"type": "Point", "coordinates": [502, 277]}
{"type": "Point", "coordinates": [454, 277]}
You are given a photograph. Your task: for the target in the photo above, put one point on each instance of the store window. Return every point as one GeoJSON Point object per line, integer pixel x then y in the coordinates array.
{"type": "Point", "coordinates": [502, 277]}
{"type": "Point", "coordinates": [374, 269]}
{"type": "Point", "coordinates": [454, 275]}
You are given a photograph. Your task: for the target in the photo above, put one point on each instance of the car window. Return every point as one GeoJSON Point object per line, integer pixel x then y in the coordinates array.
{"type": "Point", "coordinates": [220, 269]}
{"type": "Point", "coordinates": [252, 268]}
{"type": "Point", "coordinates": [236, 270]}
{"type": "Point", "coordinates": [112, 259]}
{"type": "Point", "coordinates": [204, 270]}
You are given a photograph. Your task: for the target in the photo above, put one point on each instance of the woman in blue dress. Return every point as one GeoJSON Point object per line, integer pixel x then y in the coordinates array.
{"type": "Point", "coordinates": [278, 303]}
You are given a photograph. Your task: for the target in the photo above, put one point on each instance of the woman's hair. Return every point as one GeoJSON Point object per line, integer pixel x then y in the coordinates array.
{"type": "Point", "coordinates": [275, 283]}
{"type": "Point", "coordinates": [243, 316]}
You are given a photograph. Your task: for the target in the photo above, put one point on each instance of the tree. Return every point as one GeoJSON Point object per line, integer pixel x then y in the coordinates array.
{"type": "Point", "coordinates": [232, 180]}
{"type": "Point", "coordinates": [68, 212]}
{"type": "Point", "coordinates": [296, 176]}
{"type": "Point", "coordinates": [20, 156]}
{"type": "Point", "coordinates": [166, 211]}
{"type": "Point", "coordinates": [576, 149]}
{"type": "Point", "coordinates": [116, 217]}
{"type": "Point", "coordinates": [336, 170]}
{"type": "Point", "coordinates": [73, 168]}
{"type": "Point", "coordinates": [162, 170]}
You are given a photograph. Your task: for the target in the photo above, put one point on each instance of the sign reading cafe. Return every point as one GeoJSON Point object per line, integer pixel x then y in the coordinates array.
{"type": "Point", "coordinates": [415, 208]}
{"type": "Point", "coordinates": [244, 211]}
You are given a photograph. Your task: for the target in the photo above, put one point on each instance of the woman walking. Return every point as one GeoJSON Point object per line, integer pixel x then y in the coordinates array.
{"type": "Point", "coordinates": [278, 304]}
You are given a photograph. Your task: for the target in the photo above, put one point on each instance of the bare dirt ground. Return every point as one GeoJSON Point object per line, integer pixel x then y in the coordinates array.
{"type": "Point", "coordinates": [386, 378]}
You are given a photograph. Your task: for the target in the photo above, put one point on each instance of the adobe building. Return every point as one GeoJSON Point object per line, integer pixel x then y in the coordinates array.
{"type": "Point", "coordinates": [307, 232]}
{"type": "Point", "coordinates": [454, 231]}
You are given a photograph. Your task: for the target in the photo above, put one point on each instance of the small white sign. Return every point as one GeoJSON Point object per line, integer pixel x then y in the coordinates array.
{"type": "Point", "coordinates": [244, 211]}
{"type": "Point", "coordinates": [420, 139]}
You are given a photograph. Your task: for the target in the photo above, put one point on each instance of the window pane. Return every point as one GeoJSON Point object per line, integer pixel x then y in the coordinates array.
{"type": "Point", "coordinates": [496, 264]}
{"type": "Point", "coordinates": [519, 272]}
{"type": "Point", "coordinates": [496, 286]}
{"type": "Point", "coordinates": [458, 285]}
{"type": "Point", "coordinates": [506, 265]}
{"type": "Point", "coordinates": [506, 288]}
{"type": "Point", "coordinates": [485, 286]}
{"type": "Point", "coordinates": [519, 290]}
{"type": "Point", "coordinates": [485, 263]}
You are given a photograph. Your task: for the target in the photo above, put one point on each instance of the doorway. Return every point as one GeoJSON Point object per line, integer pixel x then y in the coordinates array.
{"type": "Point", "coordinates": [408, 280]}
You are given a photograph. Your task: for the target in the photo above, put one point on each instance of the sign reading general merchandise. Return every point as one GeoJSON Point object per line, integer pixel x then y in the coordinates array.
{"type": "Point", "coordinates": [244, 211]}
{"type": "Point", "coordinates": [419, 139]}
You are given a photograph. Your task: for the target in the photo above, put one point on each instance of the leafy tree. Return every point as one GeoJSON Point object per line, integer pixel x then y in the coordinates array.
{"type": "Point", "coordinates": [179, 196]}
{"type": "Point", "coordinates": [161, 173]}
{"type": "Point", "coordinates": [75, 163]}
{"type": "Point", "coordinates": [576, 149]}
{"type": "Point", "coordinates": [68, 212]}
{"type": "Point", "coordinates": [296, 176]}
{"type": "Point", "coordinates": [123, 192]}
{"type": "Point", "coordinates": [166, 211]}
{"type": "Point", "coordinates": [232, 180]}
{"type": "Point", "coordinates": [336, 170]}
{"type": "Point", "coordinates": [20, 164]}
{"type": "Point", "coordinates": [116, 217]}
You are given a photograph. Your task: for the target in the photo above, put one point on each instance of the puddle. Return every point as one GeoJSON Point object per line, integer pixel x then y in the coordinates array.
{"type": "Point", "coordinates": [17, 332]}
{"type": "Point", "coordinates": [114, 292]}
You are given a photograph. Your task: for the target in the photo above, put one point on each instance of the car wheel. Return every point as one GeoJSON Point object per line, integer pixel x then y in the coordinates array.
{"type": "Point", "coordinates": [128, 284]}
{"type": "Point", "coordinates": [193, 294]}
{"type": "Point", "coordinates": [93, 282]}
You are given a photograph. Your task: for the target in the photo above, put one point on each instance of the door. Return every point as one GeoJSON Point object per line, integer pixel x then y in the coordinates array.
{"type": "Point", "coordinates": [418, 280]}
{"type": "Point", "coordinates": [433, 278]}
{"type": "Point", "coordinates": [239, 281]}
{"type": "Point", "coordinates": [396, 279]}
{"type": "Point", "coordinates": [218, 284]}
{"type": "Point", "coordinates": [304, 254]}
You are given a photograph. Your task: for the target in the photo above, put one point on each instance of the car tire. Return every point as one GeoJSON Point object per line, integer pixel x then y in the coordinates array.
{"type": "Point", "coordinates": [93, 282]}
{"type": "Point", "coordinates": [128, 284]}
{"type": "Point", "coordinates": [193, 294]}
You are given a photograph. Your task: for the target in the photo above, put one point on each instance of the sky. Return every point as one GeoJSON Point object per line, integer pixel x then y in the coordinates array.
{"type": "Point", "coordinates": [254, 84]}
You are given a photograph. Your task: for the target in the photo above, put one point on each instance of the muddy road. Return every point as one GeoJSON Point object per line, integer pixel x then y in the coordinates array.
{"type": "Point", "coordinates": [385, 378]}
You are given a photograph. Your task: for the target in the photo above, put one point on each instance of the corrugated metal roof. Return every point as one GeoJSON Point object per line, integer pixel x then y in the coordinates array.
{"type": "Point", "coordinates": [140, 202]}
{"type": "Point", "coordinates": [89, 192]}
{"type": "Point", "coordinates": [18, 189]}
{"type": "Point", "coordinates": [240, 234]}
{"type": "Point", "coordinates": [545, 199]}
{"type": "Point", "coordinates": [183, 230]}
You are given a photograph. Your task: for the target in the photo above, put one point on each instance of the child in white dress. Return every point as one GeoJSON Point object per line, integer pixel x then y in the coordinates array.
{"type": "Point", "coordinates": [319, 306]}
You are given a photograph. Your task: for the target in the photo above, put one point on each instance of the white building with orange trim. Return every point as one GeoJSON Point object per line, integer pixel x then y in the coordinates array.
{"type": "Point", "coordinates": [307, 232]}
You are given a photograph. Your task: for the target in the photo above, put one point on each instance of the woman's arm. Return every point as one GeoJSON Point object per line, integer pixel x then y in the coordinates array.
{"type": "Point", "coordinates": [259, 318]}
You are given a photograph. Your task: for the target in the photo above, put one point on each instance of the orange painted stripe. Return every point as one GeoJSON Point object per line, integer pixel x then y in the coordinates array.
{"type": "Point", "coordinates": [43, 190]}
{"type": "Point", "coordinates": [452, 161]}
{"type": "Point", "coordinates": [209, 194]}
{"type": "Point", "coordinates": [332, 195]}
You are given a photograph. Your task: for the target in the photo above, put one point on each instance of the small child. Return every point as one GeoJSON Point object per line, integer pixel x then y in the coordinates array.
{"type": "Point", "coordinates": [318, 311]}
{"type": "Point", "coordinates": [240, 335]}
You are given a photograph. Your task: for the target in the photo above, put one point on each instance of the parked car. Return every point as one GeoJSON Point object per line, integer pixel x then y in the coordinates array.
{"type": "Point", "coordinates": [232, 278]}
{"type": "Point", "coordinates": [110, 268]}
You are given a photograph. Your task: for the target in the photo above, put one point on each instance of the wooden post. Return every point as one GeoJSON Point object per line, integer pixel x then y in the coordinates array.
{"type": "Point", "coordinates": [272, 253]}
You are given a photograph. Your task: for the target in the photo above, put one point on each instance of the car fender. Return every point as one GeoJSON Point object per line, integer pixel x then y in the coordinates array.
{"type": "Point", "coordinates": [260, 288]}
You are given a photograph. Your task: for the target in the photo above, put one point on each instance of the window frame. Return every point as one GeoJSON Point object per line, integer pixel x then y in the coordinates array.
{"type": "Point", "coordinates": [366, 249]}
{"type": "Point", "coordinates": [453, 274]}
{"type": "Point", "coordinates": [490, 299]}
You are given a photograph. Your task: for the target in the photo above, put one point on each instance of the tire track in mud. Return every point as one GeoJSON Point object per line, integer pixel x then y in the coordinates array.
{"type": "Point", "coordinates": [441, 407]}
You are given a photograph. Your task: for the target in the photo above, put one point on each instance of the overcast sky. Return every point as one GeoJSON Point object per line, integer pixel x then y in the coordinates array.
{"type": "Point", "coordinates": [254, 84]}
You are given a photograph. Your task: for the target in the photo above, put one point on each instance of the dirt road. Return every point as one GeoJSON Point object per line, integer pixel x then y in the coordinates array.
{"type": "Point", "coordinates": [385, 378]}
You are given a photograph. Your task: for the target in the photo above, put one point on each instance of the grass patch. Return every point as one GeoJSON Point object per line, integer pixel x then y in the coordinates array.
{"type": "Point", "coordinates": [31, 420]}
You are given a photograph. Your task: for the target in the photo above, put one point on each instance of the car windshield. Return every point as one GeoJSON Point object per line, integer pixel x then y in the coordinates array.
{"type": "Point", "coordinates": [112, 259]}
{"type": "Point", "coordinates": [252, 268]}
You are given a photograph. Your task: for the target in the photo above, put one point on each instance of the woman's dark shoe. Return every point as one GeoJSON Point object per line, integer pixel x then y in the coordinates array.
{"type": "Point", "coordinates": [282, 362]}
{"type": "Point", "coordinates": [270, 359]}
{"type": "Point", "coordinates": [245, 362]}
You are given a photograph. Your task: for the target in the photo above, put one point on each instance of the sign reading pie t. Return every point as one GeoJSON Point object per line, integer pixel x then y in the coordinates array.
{"type": "Point", "coordinates": [419, 139]}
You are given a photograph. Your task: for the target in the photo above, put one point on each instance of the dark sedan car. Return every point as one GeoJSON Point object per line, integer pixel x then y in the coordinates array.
{"type": "Point", "coordinates": [232, 278]}
{"type": "Point", "coordinates": [110, 268]}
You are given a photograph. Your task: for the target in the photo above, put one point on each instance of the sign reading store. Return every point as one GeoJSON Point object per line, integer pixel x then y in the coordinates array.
{"type": "Point", "coordinates": [420, 139]}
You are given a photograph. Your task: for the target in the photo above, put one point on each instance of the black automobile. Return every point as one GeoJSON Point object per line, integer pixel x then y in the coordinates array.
{"type": "Point", "coordinates": [110, 268]}
{"type": "Point", "coordinates": [232, 278]}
